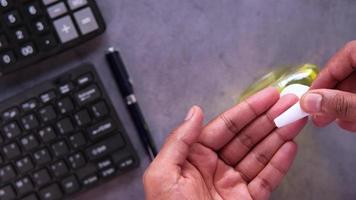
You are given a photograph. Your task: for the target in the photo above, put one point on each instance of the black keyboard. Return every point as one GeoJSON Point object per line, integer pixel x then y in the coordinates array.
{"type": "Point", "coordinates": [31, 30]}
{"type": "Point", "coordinates": [60, 138]}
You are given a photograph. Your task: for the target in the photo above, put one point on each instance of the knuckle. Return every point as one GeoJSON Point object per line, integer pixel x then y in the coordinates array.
{"type": "Point", "coordinates": [246, 140]}
{"type": "Point", "coordinates": [228, 123]}
{"type": "Point", "coordinates": [243, 174]}
{"type": "Point", "coordinates": [279, 169]}
{"type": "Point", "coordinates": [261, 158]}
{"type": "Point", "coordinates": [266, 185]}
{"type": "Point", "coordinates": [341, 105]}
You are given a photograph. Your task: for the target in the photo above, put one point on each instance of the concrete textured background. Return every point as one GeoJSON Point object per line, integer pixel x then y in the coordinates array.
{"type": "Point", "coordinates": [205, 52]}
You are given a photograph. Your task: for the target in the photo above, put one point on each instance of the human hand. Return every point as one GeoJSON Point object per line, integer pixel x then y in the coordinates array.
{"type": "Point", "coordinates": [238, 155]}
{"type": "Point", "coordinates": [332, 95]}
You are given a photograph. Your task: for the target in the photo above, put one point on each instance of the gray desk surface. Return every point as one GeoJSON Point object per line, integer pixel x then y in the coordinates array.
{"type": "Point", "coordinates": [185, 52]}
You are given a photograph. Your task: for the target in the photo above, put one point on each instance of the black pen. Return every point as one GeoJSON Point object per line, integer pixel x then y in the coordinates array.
{"type": "Point", "coordinates": [124, 83]}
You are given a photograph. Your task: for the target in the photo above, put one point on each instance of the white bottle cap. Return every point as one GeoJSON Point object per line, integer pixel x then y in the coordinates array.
{"type": "Point", "coordinates": [295, 112]}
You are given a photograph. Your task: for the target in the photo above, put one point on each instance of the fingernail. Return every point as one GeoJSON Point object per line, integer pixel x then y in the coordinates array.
{"type": "Point", "coordinates": [312, 102]}
{"type": "Point", "coordinates": [190, 114]}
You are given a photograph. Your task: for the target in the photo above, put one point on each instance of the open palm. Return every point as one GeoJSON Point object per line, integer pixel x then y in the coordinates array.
{"type": "Point", "coordinates": [238, 155]}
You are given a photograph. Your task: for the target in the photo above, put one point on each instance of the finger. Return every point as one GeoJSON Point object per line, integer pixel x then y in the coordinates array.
{"type": "Point", "coordinates": [334, 103]}
{"type": "Point", "coordinates": [222, 129]}
{"type": "Point", "coordinates": [175, 151]}
{"type": "Point", "coordinates": [339, 67]}
{"type": "Point", "coordinates": [349, 84]}
{"type": "Point", "coordinates": [349, 126]}
{"type": "Point", "coordinates": [238, 147]}
{"type": "Point", "coordinates": [322, 120]}
{"type": "Point", "coordinates": [257, 159]}
{"type": "Point", "coordinates": [271, 176]}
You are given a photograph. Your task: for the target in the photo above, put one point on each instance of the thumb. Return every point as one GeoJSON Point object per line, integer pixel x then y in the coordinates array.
{"type": "Point", "coordinates": [332, 103]}
{"type": "Point", "coordinates": [175, 150]}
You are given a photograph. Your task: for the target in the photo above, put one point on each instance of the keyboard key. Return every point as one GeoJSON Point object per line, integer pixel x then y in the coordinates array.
{"type": "Point", "coordinates": [65, 29]}
{"type": "Point", "coordinates": [6, 4]}
{"type": "Point", "coordinates": [10, 114]}
{"type": "Point", "coordinates": [127, 164]}
{"type": "Point", "coordinates": [7, 58]}
{"type": "Point", "coordinates": [47, 2]}
{"type": "Point", "coordinates": [11, 150]}
{"type": "Point", "coordinates": [48, 96]}
{"type": "Point", "coordinates": [41, 177]}
{"type": "Point", "coordinates": [66, 88]}
{"type": "Point", "coordinates": [24, 185]}
{"type": "Point", "coordinates": [29, 142]}
{"type": "Point", "coordinates": [24, 164]}
{"type": "Point", "coordinates": [47, 42]}
{"type": "Point", "coordinates": [104, 163]}
{"type": "Point", "coordinates": [107, 172]}
{"type": "Point", "coordinates": [51, 192]}
{"type": "Point", "coordinates": [60, 148]}
{"type": "Point", "coordinates": [86, 21]}
{"type": "Point", "coordinates": [101, 129]}
{"type": "Point", "coordinates": [12, 18]}
{"type": "Point", "coordinates": [7, 193]}
{"type": "Point", "coordinates": [59, 168]}
{"type": "Point", "coordinates": [11, 130]}
{"type": "Point", "coordinates": [65, 105]}
{"type": "Point", "coordinates": [85, 79]}
{"type": "Point", "coordinates": [47, 134]}
{"type": "Point", "coordinates": [100, 109]}
{"type": "Point", "coordinates": [21, 34]}
{"type": "Point", "coordinates": [76, 161]}
{"type": "Point", "coordinates": [65, 126]}
{"type": "Point", "coordinates": [90, 180]}
{"type": "Point", "coordinates": [87, 95]}
{"type": "Point", "coordinates": [30, 197]}
{"type": "Point", "coordinates": [74, 4]}
{"type": "Point", "coordinates": [29, 122]}
{"type": "Point", "coordinates": [47, 113]}
{"type": "Point", "coordinates": [33, 9]}
{"type": "Point", "coordinates": [41, 26]}
{"type": "Point", "coordinates": [104, 147]}
{"type": "Point", "coordinates": [29, 105]}
{"type": "Point", "coordinates": [70, 184]}
{"type": "Point", "coordinates": [7, 173]}
{"type": "Point", "coordinates": [42, 156]}
{"type": "Point", "coordinates": [57, 10]}
{"type": "Point", "coordinates": [123, 162]}
{"type": "Point", "coordinates": [77, 140]}
{"type": "Point", "coordinates": [82, 118]}
{"type": "Point", "coordinates": [27, 50]}
{"type": "Point", "coordinates": [86, 171]}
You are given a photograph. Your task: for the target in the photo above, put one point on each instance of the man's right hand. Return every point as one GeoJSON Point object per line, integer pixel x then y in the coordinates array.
{"type": "Point", "coordinates": [333, 94]}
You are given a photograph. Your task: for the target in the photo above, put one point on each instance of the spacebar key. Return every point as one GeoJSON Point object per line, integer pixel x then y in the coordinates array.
{"type": "Point", "coordinates": [104, 147]}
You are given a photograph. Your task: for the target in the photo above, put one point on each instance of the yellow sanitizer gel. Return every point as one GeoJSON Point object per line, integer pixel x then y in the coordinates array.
{"type": "Point", "coordinates": [281, 78]}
